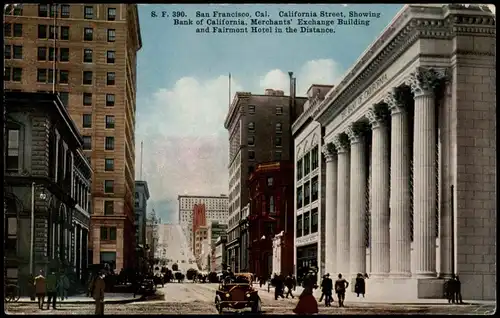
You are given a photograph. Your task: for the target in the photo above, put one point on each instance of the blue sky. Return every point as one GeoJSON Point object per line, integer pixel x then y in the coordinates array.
{"type": "Point", "coordinates": [182, 88]}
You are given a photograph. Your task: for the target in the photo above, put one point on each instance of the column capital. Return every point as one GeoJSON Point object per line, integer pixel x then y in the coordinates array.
{"type": "Point", "coordinates": [397, 99]}
{"type": "Point", "coordinates": [356, 131]}
{"type": "Point", "coordinates": [329, 151]}
{"type": "Point", "coordinates": [378, 114]}
{"type": "Point", "coordinates": [425, 81]}
{"type": "Point", "coordinates": [341, 142]}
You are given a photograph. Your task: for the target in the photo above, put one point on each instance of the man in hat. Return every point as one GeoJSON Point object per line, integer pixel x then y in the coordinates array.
{"type": "Point", "coordinates": [326, 288]}
{"type": "Point", "coordinates": [98, 293]}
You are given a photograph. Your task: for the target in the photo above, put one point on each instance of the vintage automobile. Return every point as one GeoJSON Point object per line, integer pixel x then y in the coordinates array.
{"type": "Point", "coordinates": [237, 293]}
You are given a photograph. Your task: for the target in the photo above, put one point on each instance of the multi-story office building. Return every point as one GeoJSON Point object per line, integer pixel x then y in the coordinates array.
{"type": "Point", "coordinates": [220, 262]}
{"type": "Point", "coordinates": [259, 131]}
{"type": "Point", "coordinates": [309, 242]}
{"type": "Point", "coordinates": [200, 235]}
{"type": "Point", "coordinates": [47, 173]}
{"type": "Point", "coordinates": [141, 206]}
{"type": "Point", "coordinates": [87, 53]}
{"type": "Point", "coordinates": [215, 210]}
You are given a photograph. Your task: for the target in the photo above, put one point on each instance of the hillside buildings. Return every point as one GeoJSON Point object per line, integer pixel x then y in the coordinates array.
{"type": "Point", "coordinates": [409, 147]}
{"type": "Point", "coordinates": [87, 53]}
{"type": "Point", "coordinates": [47, 189]}
{"type": "Point", "coordinates": [215, 210]}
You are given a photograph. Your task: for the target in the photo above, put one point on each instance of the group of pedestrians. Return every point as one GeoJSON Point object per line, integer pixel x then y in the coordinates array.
{"type": "Point", "coordinates": [279, 281]}
{"type": "Point", "coordinates": [453, 290]}
{"type": "Point", "coordinates": [53, 286]}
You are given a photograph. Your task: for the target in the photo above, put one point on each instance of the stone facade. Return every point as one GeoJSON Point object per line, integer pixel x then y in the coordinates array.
{"type": "Point", "coordinates": [419, 139]}
{"type": "Point", "coordinates": [141, 207]}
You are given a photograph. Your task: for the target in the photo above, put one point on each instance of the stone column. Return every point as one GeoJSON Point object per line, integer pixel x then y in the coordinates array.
{"type": "Point", "coordinates": [342, 145]}
{"type": "Point", "coordinates": [400, 218]}
{"type": "Point", "coordinates": [423, 83]}
{"type": "Point", "coordinates": [329, 152]}
{"type": "Point", "coordinates": [379, 191]}
{"type": "Point", "coordinates": [357, 204]}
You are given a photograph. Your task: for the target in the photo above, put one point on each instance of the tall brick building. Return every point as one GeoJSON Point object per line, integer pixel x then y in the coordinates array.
{"type": "Point", "coordinates": [199, 219]}
{"type": "Point", "coordinates": [91, 49]}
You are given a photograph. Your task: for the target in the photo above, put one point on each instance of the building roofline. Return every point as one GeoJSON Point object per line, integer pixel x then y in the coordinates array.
{"type": "Point", "coordinates": [145, 184]}
{"type": "Point", "coordinates": [202, 196]}
{"type": "Point", "coordinates": [138, 26]}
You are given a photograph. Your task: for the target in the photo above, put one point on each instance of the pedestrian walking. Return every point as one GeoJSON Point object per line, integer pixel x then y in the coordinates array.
{"type": "Point", "coordinates": [40, 288]}
{"type": "Point", "coordinates": [63, 286]}
{"type": "Point", "coordinates": [360, 287]}
{"type": "Point", "coordinates": [340, 287]}
{"type": "Point", "coordinates": [327, 288]}
{"type": "Point", "coordinates": [289, 285]}
{"type": "Point", "coordinates": [51, 286]}
{"type": "Point", "coordinates": [98, 294]}
{"type": "Point", "coordinates": [457, 290]}
{"type": "Point", "coordinates": [307, 304]}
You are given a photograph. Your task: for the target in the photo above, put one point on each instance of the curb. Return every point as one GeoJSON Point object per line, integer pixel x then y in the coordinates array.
{"type": "Point", "coordinates": [90, 301]}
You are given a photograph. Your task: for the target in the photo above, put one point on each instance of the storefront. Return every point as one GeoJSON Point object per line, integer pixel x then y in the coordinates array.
{"type": "Point", "coordinates": [307, 259]}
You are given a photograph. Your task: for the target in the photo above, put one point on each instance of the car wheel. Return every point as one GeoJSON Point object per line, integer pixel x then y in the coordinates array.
{"type": "Point", "coordinates": [257, 307]}
{"type": "Point", "coordinates": [218, 306]}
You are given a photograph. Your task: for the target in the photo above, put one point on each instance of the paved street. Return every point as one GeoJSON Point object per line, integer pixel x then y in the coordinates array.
{"type": "Point", "coordinates": [189, 298]}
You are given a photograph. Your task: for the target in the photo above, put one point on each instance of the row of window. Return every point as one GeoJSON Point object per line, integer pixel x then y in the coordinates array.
{"type": "Point", "coordinates": [87, 121]}
{"type": "Point", "coordinates": [278, 110]}
{"type": "Point", "coordinates": [46, 31]}
{"type": "Point", "coordinates": [109, 143]}
{"type": "Point", "coordinates": [63, 11]}
{"type": "Point", "coordinates": [46, 75]}
{"type": "Point", "coordinates": [307, 223]}
{"type": "Point", "coordinates": [307, 193]}
{"type": "Point", "coordinates": [251, 156]}
{"type": "Point", "coordinates": [87, 99]}
{"type": "Point", "coordinates": [49, 53]}
{"type": "Point", "coordinates": [251, 127]}
{"type": "Point", "coordinates": [108, 233]}
{"type": "Point", "coordinates": [308, 163]}
{"type": "Point", "coordinates": [277, 141]}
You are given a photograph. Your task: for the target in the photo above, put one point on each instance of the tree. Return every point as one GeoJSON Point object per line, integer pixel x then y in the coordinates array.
{"type": "Point", "coordinates": [175, 267]}
{"type": "Point", "coordinates": [178, 276]}
{"type": "Point", "coordinates": [191, 274]}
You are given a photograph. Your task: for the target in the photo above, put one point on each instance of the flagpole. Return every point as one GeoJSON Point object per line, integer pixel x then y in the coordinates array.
{"type": "Point", "coordinates": [229, 89]}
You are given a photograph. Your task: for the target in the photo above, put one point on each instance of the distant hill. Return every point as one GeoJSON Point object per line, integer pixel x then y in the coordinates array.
{"type": "Point", "coordinates": [173, 248]}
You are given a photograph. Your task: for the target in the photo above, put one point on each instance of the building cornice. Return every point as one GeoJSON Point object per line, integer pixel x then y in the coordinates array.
{"type": "Point", "coordinates": [412, 23]}
{"type": "Point", "coordinates": [234, 107]}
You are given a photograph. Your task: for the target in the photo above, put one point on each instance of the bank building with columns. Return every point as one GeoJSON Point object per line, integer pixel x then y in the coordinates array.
{"type": "Point", "coordinates": [407, 164]}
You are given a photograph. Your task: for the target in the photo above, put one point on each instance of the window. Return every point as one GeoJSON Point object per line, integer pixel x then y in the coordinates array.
{"type": "Point", "coordinates": [110, 57]}
{"type": "Point", "coordinates": [110, 100]}
{"type": "Point", "coordinates": [111, 35]}
{"type": "Point", "coordinates": [64, 54]}
{"type": "Point", "coordinates": [43, 10]}
{"type": "Point", "coordinates": [87, 77]}
{"type": "Point", "coordinates": [307, 164]}
{"type": "Point", "coordinates": [88, 34]}
{"type": "Point", "coordinates": [271, 204]}
{"type": "Point", "coordinates": [277, 141]}
{"type": "Point", "coordinates": [270, 181]}
{"type": "Point", "coordinates": [87, 99]}
{"type": "Point", "coordinates": [109, 186]}
{"type": "Point", "coordinates": [63, 76]}
{"type": "Point", "coordinates": [306, 223]}
{"type": "Point", "coordinates": [299, 225]}
{"type": "Point", "coordinates": [42, 31]}
{"type": "Point", "coordinates": [13, 146]}
{"type": "Point", "coordinates": [108, 233]}
{"type": "Point", "coordinates": [52, 53]}
{"type": "Point", "coordinates": [279, 110]}
{"type": "Point", "coordinates": [251, 154]}
{"type": "Point", "coordinates": [109, 164]}
{"type": "Point", "coordinates": [110, 78]}
{"type": "Point", "coordinates": [7, 54]}
{"type": "Point", "coordinates": [11, 240]}
{"type": "Point", "coordinates": [307, 193]}
{"type": "Point", "coordinates": [18, 52]}
{"type": "Point", "coordinates": [314, 158]}
{"type": "Point", "coordinates": [64, 11]}
{"type": "Point", "coordinates": [65, 33]}
{"type": "Point", "coordinates": [17, 74]}
{"type": "Point", "coordinates": [299, 197]}
{"type": "Point", "coordinates": [110, 121]}
{"type": "Point", "coordinates": [41, 75]}
{"type": "Point", "coordinates": [108, 207]}
{"type": "Point", "coordinates": [251, 125]}
{"type": "Point", "coordinates": [53, 32]}
{"type": "Point", "coordinates": [89, 12]}
{"type": "Point", "coordinates": [87, 55]}
{"type": "Point", "coordinates": [314, 220]}
{"type": "Point", "coordinates": [110, 143]}
{"type": "Point", "coordinates": [251, 140]}
{"type": "Point", "coordinates": [53, 10]}
{"type": "Point", "coordinates": [87, 121]}
{"type": "Point", "coordinates": [7, 29]}
{"type": "Point", "coordinates": [64, 96]}
{"type": "Point", "coordinates": [314, 189]}
{"type": "Point", "coordinates": [18, 30]}
{"type": "Point", "coordinates": [251, 109]}
{"type": "Point", "coordinates": [87, 143]}
{"type": "Point", "coordinates": [277, 155]}
{"type": "Point", "coordinates": [111, 14]}
{"type": "Point", "coordinates": [279, 127]}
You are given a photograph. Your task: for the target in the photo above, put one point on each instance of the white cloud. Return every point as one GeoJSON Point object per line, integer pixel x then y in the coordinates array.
{"type": "Point", "coordinates": [185, 142]}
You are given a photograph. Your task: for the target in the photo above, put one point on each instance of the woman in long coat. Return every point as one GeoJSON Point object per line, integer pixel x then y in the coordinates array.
{"type": "Point", "coordinates": [307, 304]}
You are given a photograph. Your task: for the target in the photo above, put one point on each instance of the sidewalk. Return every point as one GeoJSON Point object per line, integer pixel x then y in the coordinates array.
{"type": "Point", "coordinates": [115, 298]}
{"type": "Point", "coordinates": [351, 298]}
